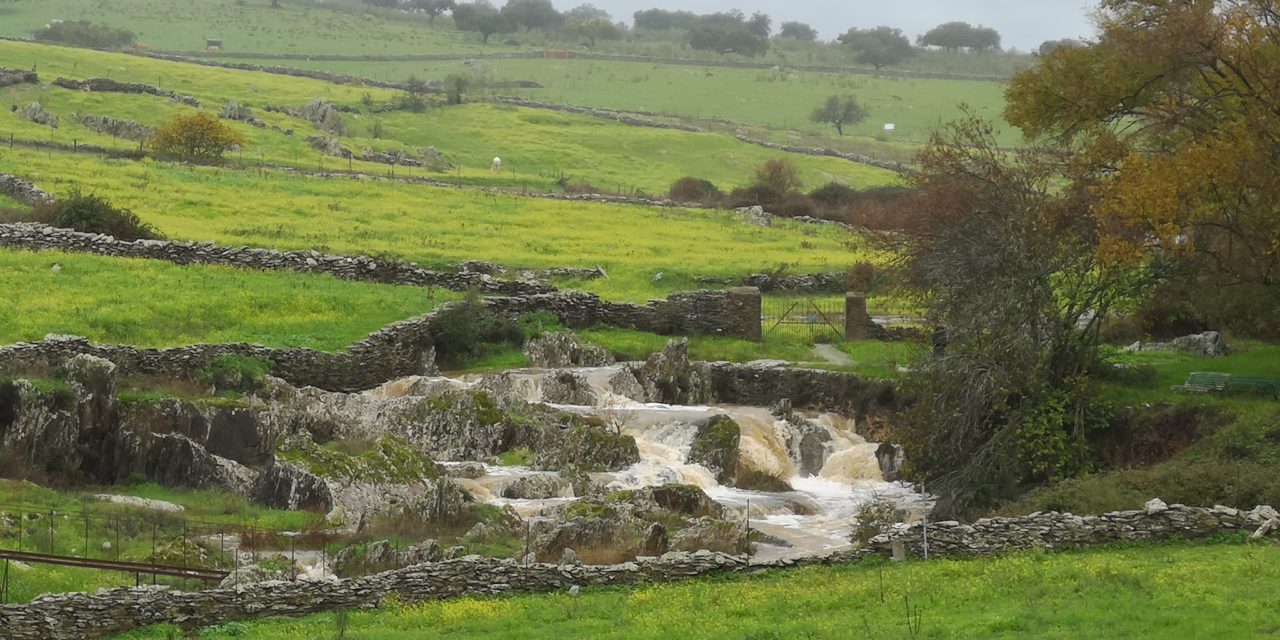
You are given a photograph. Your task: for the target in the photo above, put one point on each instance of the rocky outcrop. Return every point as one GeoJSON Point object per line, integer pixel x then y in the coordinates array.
{"type": "Point", "coordinates": [10, 77]}
{"type": "Point", "coordinates": [321, 113]}
{"type": "Point", "coordinates": [284, 485]}
{"type": "Point", "coordinates": [563, 350]}
{"type": "Point", "coordinates": [809, 444]}
{"type": "Point", "coordinates": [177, 461]}
{"type": "Point", "coordinates": [636, 523]}
{"type": "Point", "coordinates": [1208, 344]}
{"type": "Point", "coordinates": [117, 127]}
{"type": "Point", "coordinates": [35, 112]}
{"type": "Point", "coordinates": [567, 387]}
{"type": "Point", "coordinates": [715, 446]}
{"type": "Point", "coordinates": [670, 378]}
{"type": "Point", "coordinates": [233, 110]}
{"type": "Point", "coordinates": [538, 487]}
{"type": "Point", "coordinates": [111, 86]}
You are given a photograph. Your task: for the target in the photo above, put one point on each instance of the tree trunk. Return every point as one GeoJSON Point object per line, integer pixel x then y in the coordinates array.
{"type": "Point", "coordinates": [840, 128]}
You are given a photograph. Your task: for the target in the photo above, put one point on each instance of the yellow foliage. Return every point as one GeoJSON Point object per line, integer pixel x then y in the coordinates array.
{"type": "Point", "coordinates": [195, 137]}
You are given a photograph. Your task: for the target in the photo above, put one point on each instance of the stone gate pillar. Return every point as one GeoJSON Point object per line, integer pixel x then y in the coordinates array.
{"type": "Point", "coordinates": [746, 305]}
{"type": "Point", "coordinates": [856, 320]}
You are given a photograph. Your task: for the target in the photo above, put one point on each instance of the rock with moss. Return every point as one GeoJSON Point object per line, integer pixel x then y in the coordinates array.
{"type": "Point", "coordinates": [670, 377]}
{"type": "Point", "coordinates": [564, 350]}
{"type": "Point", "coordinates": [715, 446]}
{"type": "Point", "coordinates": [285, 485]}
{"type": "Point", "coordinates": [569, 388]}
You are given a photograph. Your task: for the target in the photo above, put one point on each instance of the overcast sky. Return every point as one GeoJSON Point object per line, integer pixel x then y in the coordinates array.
{"type": "Point", "coordinates": [1023, 23]}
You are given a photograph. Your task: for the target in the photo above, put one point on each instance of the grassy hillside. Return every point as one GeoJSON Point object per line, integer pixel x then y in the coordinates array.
{"type": "Point", "coordinates": [537, 146]}
{"type": "Point", "coordinates": [437, 226]}
{"type": "Point", "coordinates": [755, 96]}
{"type": "Point", "coordinates": [154, 303]}
{"type": "Point", "coordinates": [243, 25]}
{"type": "Point", "coordinates": [1137, 592]}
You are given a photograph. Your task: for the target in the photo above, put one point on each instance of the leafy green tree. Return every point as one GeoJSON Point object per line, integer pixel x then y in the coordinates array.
{"type": "Point", "coordinates": [533, 14]}
{"type": "Point", "coordinates": [798, 31]}
{"type": "Point", "coordinates": [588, 12]}
{"type": "Point", "coordinates": [434, 8]}
{"type": "Point", "coordinates": [839, 111]}
{"type": "Point", "coordinates": [483, 18]}
{"type": "Point", "coordinates": [663, 20]}
{"type": "Point", "coordinates": [592, 29]}
{"type": "Point", "coordinates": [878, 47]}
{"type": "Point", "coordinates": [954, 36]}
{"type": "Point", "coordinates": [760, 24]}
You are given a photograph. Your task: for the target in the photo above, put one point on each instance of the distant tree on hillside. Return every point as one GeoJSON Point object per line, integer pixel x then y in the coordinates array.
{"type": "Point", "coordinates": [433, 8]}
{"type": "Point", "coordinates": [839, 111]}
{"type": "Point", "coordinates": [760, 24]}
{"type": "Point", "coordinates": [661, 20]}
{"type": "Point", "coordinates": [383, 3]}
{"type": "Point", "coordinates": [483, 18]}
{"type": "Point", "coordinates": [587, 12]}
{"type": "Point", "coordinates": [592, 29]}
{"type": "Point", "coordinates": [954, 36]}
{"type": "Point", "coordinates": [455, 86]}
{"type": "Point", "coordinates": [195, 137]}
{"type": "Point", "coordinates": [779, 174]}
{"type": "Point", "coordinates": [415, 94]}
{"type": "Point", "coordinates": [533, 14]}
{"type": "Point", "coordinates": [798, 31]}
{"type": "Point", "coordinates": [275, 4]}
{"type": "Point", "coordinates": [878, 47]}
{"type": "Point", "coordinates": [85, 34]}
{"type": "Point", "coordinates": [727, 32]}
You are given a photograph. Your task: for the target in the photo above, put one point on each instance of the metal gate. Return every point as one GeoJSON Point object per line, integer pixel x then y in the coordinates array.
{"type": "Point", "coordinates": [809, 317]}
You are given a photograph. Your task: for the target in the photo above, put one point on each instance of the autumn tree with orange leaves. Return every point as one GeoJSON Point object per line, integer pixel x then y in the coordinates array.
{"type": "Point", "coordinates": [1173, 116]}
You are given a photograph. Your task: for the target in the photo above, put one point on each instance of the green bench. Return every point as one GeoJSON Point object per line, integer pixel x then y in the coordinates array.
{"type": "Point", "coordinates": [1210, 382]}
{"type": "Point", "coordinates": [1205, 382]}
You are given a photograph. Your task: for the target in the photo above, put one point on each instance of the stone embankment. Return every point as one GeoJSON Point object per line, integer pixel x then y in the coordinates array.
{"type": "Point", "coordinates": [114, 611]}
{"type": "Point", "coordinates": [23, 191]}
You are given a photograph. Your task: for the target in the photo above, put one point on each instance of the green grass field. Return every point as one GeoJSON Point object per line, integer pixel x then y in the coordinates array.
{"type": "Point", "coordinates": [151, 303]}
{"type": "Point", "coordinates": [537, 147]}
{"type": "Point", "coordinates": [1227, 590]}
{"type": "Point", "coordinates": [779, 99]}
{"type": "Point", "coordinates": [437, 226]}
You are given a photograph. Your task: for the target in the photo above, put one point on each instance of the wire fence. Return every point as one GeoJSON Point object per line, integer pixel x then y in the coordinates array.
{"type": "Point", "coordinates": [808, 317]}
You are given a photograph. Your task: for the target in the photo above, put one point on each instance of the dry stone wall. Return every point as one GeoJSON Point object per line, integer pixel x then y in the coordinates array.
{"type": "Point", "coordinates": [113, 86]}
{"type": "Point", "coordinates": [10, 77]}
{"type": "Point", "coordinates": [23, 191]}
{"type": "Point", "coordinates": [405, 348]}
{"type": "Point", "coordinates": [35, 236]}
{"type": "Point", "coordinates": [113, 611]}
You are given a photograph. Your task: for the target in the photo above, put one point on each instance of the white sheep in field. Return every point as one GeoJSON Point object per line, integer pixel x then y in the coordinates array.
{"type": "Point", "coordinates": [497, 164]}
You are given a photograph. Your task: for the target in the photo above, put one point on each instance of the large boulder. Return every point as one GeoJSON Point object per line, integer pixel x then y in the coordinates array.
{"type": "Point", "coordinates": [284, 485]}
{"type": "Point", "coordinates": [538, 487]}
{"type": "Point", "coordinates": [172, 459]}
{"type": "Point", "coordinates": [563, 350]}
{"type": "Point", "coordinates": [569, 388]}
{"type": "Point", "coordinates": [1209, 344]}
{"type": "Point", "coordinates": [810, 444]}
{"type": "Point", "coordinates": [715, 446]}
{"type": "Point", "coordinates": [670, 378]}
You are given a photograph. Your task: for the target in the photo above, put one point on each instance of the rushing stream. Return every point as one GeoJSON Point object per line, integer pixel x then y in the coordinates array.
{"type": "Point", "coordinates": [815, 517]}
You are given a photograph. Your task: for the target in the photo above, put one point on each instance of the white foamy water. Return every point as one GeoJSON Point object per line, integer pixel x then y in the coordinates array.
{"type": "Point", "coordinates": [816, 517]}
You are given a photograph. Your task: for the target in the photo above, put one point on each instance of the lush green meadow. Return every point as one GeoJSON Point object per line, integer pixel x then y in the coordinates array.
{"type": "Point", "coordinates": [439, 225]}
{"type": "Point", "coordinates": [779, 99]}
{"type": "Point", "coordinates": [244, 25]}
{"type": "Point", "coordinates": [540, 149]}
{"type": "Point", "coordinates": [1227, 590]}
{"type": "Point", "coordinates": [154, 303]}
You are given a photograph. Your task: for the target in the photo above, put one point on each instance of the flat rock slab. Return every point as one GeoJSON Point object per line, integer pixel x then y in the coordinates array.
{"type": "Point", "coordinates": [145, 503]}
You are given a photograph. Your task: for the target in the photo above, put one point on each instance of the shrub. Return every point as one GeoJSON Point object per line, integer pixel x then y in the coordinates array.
{"type": "Point", "coordinates": [691, 189]}
{"type": "Point", "coordinates": [91, 213]}
{"type": "Point", "coordinates": [779, 174]}
{"type": "Point", "coordinates": [794, 204]}
{"type": "Point", "coordinates": [834, 195]}
{"type": "Point", "coordinates": [85, 34]}
{"type": "Point", "coordinates": [241, 374]}
{"type": "Point", "coordinates": [195, 137]}
{"type": "Point", "coordinates": [761, 195]}
{"type": "Point", "coordinates": [464, 331]}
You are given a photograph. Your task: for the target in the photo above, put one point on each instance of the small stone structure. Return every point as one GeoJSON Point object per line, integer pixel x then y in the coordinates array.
{"type": "Point", "coordinates": [23, 191]}
{"type": "Point", "coordinates": [10, 77]}
{"type": "Point", "coordinates": [112, 611]}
